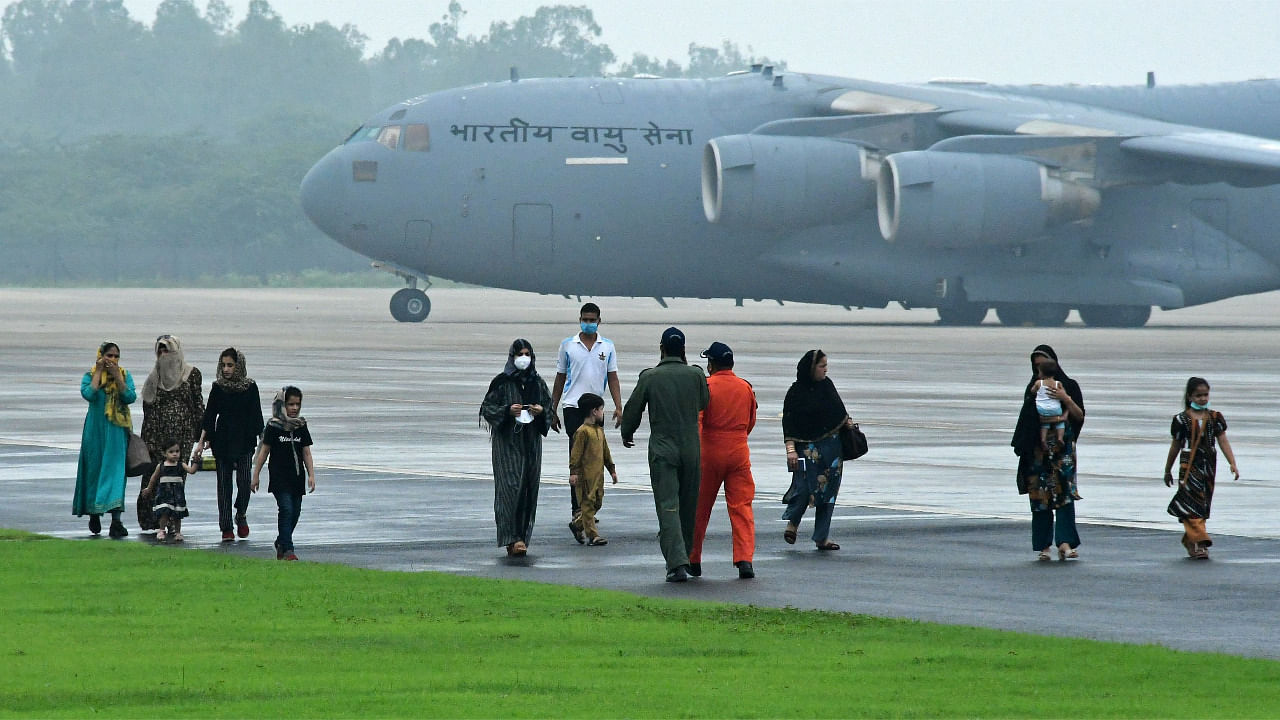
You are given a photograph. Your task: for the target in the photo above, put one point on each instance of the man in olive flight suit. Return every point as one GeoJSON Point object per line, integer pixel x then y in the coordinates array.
{"type": "Point", "coordinates": [675, 393]}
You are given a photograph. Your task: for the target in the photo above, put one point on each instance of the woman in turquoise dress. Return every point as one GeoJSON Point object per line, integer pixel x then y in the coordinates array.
{"type": "Point", "coordinates": [108, 388]}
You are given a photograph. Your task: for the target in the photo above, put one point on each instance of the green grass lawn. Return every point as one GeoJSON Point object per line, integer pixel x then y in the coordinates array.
{"type": "Point", "coordinates": [130, 630]}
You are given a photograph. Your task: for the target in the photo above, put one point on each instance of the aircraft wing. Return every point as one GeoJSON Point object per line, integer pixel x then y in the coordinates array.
{"type": "Point", "coordinates": [1129, 150]}
{"type": "Point", "coordinates": [1217, 149]}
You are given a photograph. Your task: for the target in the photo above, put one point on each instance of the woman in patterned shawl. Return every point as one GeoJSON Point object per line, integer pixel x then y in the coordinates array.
{"type": "Point", "coordinates": [172, 407]}
{"type": "Point", "coordinates": [108, 388]}
{"type": "Point", "coordinates": [514, 408]}
{"type": "Point", "coordinates": [1201, 431]}
{"type": "Point", "coordinates": [812, 417]}
{"type": "Point", "coordinates": [1049, 481]}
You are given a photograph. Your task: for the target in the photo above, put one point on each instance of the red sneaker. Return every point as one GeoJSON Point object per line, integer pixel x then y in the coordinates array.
{"type": "Point", "coordinates": [228, 536]}
{"type": "Point", "coordinates": [243, 529]}
{"type": "Point", "coordinates": [290, 556]}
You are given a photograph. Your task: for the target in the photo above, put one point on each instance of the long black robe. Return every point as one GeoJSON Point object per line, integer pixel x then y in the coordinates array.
{"type": "Point", "coordinates": [517, 452]}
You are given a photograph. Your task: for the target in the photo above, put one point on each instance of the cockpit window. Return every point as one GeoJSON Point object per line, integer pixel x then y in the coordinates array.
{"type": "Point", "coordinates": [417, 138]}
{"type": "Point", "coordinates": [364, 133]}
{"type": "Point", "coordinates": [390, 136]}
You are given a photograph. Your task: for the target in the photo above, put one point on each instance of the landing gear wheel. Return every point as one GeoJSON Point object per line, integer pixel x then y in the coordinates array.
{"type": "Point", "coordinates": [1046, 315]}
{"type": "Point", "coordinates": [962, 314]}
{"type": "Point", "coordinates": [410, 305]}
{"type": "Point", "coordinates": [1115, 316]}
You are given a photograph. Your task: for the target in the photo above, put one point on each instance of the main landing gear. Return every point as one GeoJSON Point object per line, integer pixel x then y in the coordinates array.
{"type": "Point", "coordinates": [408, 304]}
{"type": "Point", "coordinates": [1038, 315]}
{"type": "Point", "coordinates": [964, 313]}
{"type": "Point", "coordinates": [1046, 315]}
{"type": "Point", "coordinates": [1115, 316]}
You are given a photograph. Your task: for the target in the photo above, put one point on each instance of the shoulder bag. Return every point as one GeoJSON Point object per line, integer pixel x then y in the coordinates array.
{"type": "Point", "coordinates": [137, 458]}
{"type": "Point", "coordinates": [853, 444]}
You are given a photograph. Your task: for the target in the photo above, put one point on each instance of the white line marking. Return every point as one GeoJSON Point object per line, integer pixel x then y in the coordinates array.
{"type": "Point", "coordinates": [595, 161]}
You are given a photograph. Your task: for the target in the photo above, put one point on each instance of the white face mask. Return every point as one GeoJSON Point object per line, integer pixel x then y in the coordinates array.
{"type": "Point", "coordinates": [523, 362]}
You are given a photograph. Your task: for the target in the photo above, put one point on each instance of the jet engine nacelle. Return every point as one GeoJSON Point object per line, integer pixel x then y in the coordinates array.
{"type": "Point", "coordinates": [954, 200]}
{"type": "Point", "coordinates": [776, 181]}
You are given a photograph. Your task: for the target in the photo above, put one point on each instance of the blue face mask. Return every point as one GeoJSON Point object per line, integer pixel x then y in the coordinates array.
{"type": "Point", "coordinates": [1198, 406]}
{"type": "Point", "coordinates": [589, 328]}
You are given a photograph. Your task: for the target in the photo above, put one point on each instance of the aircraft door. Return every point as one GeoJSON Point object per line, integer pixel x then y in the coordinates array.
{"type": "Point", "coordinates": [417, 244]}
{"type": "Point", "coordinates": [1210, 234]}
{"type": "Point", "coordinates": [532, 234]}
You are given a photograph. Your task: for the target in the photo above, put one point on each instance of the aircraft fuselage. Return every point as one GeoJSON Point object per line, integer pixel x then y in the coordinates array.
{"type": "Point", "coordinates": [596, 187]}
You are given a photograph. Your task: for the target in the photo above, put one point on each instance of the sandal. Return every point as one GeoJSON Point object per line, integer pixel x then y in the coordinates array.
{"type": "Point", "coordinates": [1044, 555]}
{"type": "Point", "coordinates": [177, 537]}
{"type": "Point", "coordinates": [789, 535]}
{"type": "Point", "coordinates": [160, 535]}
{"type": "Point", "coordinates": [828, 545]}
{"type": "Point", "coordinates": [518, 548]}
{"type": "Point", "coordinates": [597, 540]}
{"type": "Point", "coordinates": [1190, 547]}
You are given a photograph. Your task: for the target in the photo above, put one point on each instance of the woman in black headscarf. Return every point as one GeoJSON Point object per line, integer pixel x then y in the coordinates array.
{"type": "Point", "coordinates": [231, 426]}
{"type": "Point", "coordinates": [1049, 479]}
{"type": "Point", "coordinates": [812, 416]}
{"type": "Point", "coordinates": [514, 408]}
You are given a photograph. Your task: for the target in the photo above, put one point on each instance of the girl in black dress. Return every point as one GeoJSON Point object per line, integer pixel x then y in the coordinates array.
{"type": "Point", "coordinates": [169, 488]}
{"type": "Point", "coordinates": [1201, 431]}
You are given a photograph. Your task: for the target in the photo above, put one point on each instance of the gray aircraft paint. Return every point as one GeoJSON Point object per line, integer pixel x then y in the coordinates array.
{"type": "Point", "coordinates": [594, 186]}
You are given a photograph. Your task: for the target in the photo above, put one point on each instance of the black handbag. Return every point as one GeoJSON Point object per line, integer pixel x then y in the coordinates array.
{"type": "Point", "coordinates": [137, 459]}
{"type": "Point", "coordinates": [853, 444]}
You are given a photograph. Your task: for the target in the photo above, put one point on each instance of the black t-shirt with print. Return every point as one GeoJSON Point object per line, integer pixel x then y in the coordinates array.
{"type": "Point", "coordinates": [285, 464]}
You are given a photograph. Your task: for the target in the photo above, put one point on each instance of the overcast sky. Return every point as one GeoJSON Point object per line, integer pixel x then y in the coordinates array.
{"type": "Point", "coordinates": [1092, 41]}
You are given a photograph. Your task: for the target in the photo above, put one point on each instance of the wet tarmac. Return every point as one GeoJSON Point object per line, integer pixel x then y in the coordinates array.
{"type": "Point", "coordinates": [930, 522]}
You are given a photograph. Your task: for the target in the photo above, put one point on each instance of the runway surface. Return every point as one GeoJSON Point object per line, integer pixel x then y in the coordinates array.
{"type": "Point", "coordinates": [930, 521]}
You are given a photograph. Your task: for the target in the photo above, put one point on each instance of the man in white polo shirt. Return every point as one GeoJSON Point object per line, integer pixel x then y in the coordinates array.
{"type": "Point", "coordinates": [586, 363]}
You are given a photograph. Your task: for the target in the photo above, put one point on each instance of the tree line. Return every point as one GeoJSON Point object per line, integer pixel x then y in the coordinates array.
{"type": "Point", "coordinates": [163, 153]}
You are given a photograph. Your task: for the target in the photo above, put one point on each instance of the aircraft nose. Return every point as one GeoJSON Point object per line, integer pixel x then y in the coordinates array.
{"type": "Point", "coordinates": [324, 195]}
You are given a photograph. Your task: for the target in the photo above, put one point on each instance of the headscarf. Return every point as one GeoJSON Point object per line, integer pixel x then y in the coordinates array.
{"type": "Point", "coordinates": [116, 410]}
{"type": "Point", "coordinates": [279, 418]}
{"type": "Point", "coordinates": [1026, 436]}
{"type": "Point", "coordinates": [527, 381]}
{"type": "Point", "coordinates": [511, 372]}
{"type": "Point", "coordinates": [812, 409]}
{"type": "Point", "coordinates": [239, 380]}
{"type": "Point", "coordinates": [171, 369]}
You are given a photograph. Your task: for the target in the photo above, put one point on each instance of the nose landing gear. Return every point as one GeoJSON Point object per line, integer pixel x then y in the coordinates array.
{"type": "Point", "coordinates": [407, 304]}
{"type": "Point", "coordinates": [410, 305]}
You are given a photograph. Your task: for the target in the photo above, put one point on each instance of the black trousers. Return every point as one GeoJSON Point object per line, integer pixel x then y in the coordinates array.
{"type": "Point", "coordinates": [242, 467]}
{"type": "Point", "coordinates": [572, 421]}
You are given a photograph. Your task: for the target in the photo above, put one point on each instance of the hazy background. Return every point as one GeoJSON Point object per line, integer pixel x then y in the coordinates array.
{"type": "Point", "coordinates": [1111, 42]}
{"type": "Point", "coordinates": [162, 143]}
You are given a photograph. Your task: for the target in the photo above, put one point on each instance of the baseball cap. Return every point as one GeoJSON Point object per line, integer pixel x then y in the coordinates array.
{"type": "Point", "coordinates": [672, 338]}
{"type": "Point", "coordinates": [717, 351]}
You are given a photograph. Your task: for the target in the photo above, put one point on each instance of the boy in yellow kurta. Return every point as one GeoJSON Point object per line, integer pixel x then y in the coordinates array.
{"type": "Point", "coordinates": [587, 462]}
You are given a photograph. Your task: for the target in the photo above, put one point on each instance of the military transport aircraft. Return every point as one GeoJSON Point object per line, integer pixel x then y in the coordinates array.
{"type": "Point", "coordinates": [955, 195]}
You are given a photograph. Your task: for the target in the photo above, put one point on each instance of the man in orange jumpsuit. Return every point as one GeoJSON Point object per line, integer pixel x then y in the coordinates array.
{"type": "Point", "coordinates": [730, 415]}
